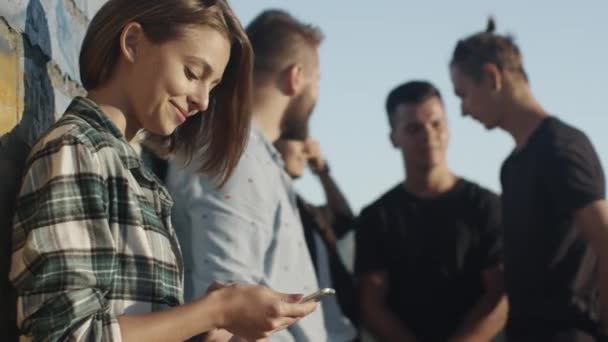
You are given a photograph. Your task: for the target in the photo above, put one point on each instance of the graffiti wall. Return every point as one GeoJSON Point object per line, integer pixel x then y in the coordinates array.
{"type": "Point", "coordinates": [39, 45]}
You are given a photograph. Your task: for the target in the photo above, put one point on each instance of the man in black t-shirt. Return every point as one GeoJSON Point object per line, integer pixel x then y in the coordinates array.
{"type": "Point", "coordinates": [428, 255]}
{"type": "Point", "coordinates": [555, 214]}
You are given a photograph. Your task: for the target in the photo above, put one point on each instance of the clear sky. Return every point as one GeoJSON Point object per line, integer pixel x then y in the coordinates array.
{"type": "Point", "coordinates": [371, 46]}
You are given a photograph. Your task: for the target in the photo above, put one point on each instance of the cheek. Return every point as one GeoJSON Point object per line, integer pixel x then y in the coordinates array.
{"type": "Point", "coordinates": [168, 77]}
{"type": "Point", "coordinates": [174, 85]}
{"type": "Point", "coordinates": [466, 105]}
{"type": "Point", "coordinates": [150, 87]}
{"type": "Point", "coordinates": [315, 92]}
{"type": "Point", "coordinates": [294, 162]}
{"type": "Point", "coordinates": [444, 140]}
{"type": "Point", "coordinates": [296, 167]}
{"type": "Point", "coordinates": [409, 143]}
{"type": "Point", "coordinates": [397, 138]}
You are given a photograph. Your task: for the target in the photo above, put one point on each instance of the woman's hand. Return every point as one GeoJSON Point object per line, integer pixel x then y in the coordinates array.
{"type": "Point", "coordinates": [254, 312]}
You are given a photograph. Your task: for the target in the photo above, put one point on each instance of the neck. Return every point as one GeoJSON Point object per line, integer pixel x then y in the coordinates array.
{"type": "Point", "coordinates": [268, 110]}
{"type": "Point", "coordinates": [115, 106]}
{"type": "Point", "coordinates": [523, 115]}
{"type": "Point", "coordinates": [429, 183]}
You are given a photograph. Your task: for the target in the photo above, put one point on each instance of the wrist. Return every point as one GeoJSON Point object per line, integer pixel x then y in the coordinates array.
{"type": "Point", "coordinates": [322, 170]}
{"type": "Point", "coordinates": [215, 307]}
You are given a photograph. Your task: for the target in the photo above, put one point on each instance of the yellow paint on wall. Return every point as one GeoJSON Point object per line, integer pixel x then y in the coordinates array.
{"type": "Point", "coordinates": [11, 101]}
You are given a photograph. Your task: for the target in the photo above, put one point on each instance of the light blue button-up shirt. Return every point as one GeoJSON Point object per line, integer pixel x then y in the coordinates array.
{"type": "Point", "coordinates": [248, 231]}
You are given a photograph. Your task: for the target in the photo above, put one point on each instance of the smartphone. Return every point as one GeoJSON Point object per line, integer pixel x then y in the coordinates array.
{"type": "Point", "coordinates": [318, 295]}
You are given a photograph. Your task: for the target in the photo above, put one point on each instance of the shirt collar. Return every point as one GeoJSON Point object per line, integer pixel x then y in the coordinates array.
{"type": "Point", "coordinates": [89, 111]}
{"type": "Point", "coordinates": [256, 133]}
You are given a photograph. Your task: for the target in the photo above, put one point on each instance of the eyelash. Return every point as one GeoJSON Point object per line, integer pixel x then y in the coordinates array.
{"type": "Point", "coordinates": [189, 74]}
{"type": "Point", "coordinates": [192, 77]}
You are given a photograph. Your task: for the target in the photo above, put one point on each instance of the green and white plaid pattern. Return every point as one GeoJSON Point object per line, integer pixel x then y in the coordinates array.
{"type": "Point", "coordinates": [92, 233]}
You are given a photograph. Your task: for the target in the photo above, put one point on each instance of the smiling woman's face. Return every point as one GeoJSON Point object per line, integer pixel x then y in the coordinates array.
{"type": "Point", "coordinates": [172, 81]}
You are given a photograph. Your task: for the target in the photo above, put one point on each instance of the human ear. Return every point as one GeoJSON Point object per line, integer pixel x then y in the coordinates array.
{"type": "Point", "coordinates": [393, 139]}
{"type": "Point", "coordinates": [294, 76]}
{"type": "Point", "coordinates": [131, 38]}
{"type": "Point", "coordinates": [493, 75]}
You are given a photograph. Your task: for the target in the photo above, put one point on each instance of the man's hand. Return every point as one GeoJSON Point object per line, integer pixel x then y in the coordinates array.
{"type": "Point", "coordinates": [316, 162]}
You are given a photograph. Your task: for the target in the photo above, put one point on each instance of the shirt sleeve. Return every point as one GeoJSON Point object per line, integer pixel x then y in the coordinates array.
{"type": "Point", "coordinates": [371, 253]}
{"type": "Point", "coordinates": [340, 223]}
{"type": "Point", "coordinates": [574, 175]}
{"type": "Point", "coordinates": [491, 241]}
{"type": "Point", "coordinates": [64, 259]}
{"type": "Point", "coordinates": [224, 233]}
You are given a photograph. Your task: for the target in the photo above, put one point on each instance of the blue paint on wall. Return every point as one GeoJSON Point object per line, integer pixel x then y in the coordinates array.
{"type": "Point", "coordinates": [69, 47]}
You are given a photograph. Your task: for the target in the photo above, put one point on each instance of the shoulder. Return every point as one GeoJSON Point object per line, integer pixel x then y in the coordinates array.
{"type": "Point", "coordinates": [385, 202]}
{"type": "Point", "coordinates": [64, 162]}
{"type": "Point", "coordinates": [476, 200]}
{"type": "Point", "coordinates": [478, 192]}
{"type": "Point", "coordinates": [561, 136]}
{"type": "Point", "coordinates": [71, 128]}
{"type": "Point", "coordinates": [566, 149]}
{"type": "Point", "coordinates": [257, 169]}
{"type": "Point", "coordinates": [68, 139]}
{"type": "Point", "coordinates": [73, 141]}
{"type": "Point", "coordinates": [252, 180]}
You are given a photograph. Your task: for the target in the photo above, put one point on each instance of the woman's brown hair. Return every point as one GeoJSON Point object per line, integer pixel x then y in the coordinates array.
{"type": "Point", "coordinates": [214, 139]}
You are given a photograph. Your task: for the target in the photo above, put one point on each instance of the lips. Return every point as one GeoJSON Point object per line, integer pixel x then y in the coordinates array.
{"type": "Point", "coordinates": [182, 114]}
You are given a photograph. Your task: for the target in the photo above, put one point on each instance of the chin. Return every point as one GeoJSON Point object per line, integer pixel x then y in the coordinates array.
{"type": "Point", "coordinates": [430, 163]}
{"type": "Point", "coordinates": [169, 128]}
{"type": "Point", "coordinates": [163, 131]}
{"type": "Point", "coordinates": [490, 127]}
{"type": "Point", "coordinates": [423, 164]}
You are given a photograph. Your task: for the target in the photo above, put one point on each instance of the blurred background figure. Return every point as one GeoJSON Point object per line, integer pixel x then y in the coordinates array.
{"type": "Point", "coordinates": [555, 212]}
{"type": "Point", "coordinates": [248, 229]}
{"type": "Point", "coordinates": [323, 226]}
{"type": "Point", "coordinates": [428, 252]}
{"type": "Point", "coordinates": [374, 47]}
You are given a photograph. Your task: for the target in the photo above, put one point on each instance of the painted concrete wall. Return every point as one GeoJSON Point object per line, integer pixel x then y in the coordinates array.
{"type": "Point", "coordinates": [39, 46]}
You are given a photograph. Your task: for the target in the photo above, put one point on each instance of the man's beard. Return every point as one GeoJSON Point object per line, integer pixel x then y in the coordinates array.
{"type": "Point", "coordinates": [295, 121]}
{"type": "Point", "coordinates": [295, 130]}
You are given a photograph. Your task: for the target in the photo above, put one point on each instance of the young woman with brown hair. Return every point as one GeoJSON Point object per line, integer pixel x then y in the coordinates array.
{"type": "Point", "coordinates": [94, 254]}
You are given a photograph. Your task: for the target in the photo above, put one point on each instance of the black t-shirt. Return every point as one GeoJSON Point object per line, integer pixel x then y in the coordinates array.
{"type": "Point", "coordinates": [434, 252]}
{"type": "Point", "coordinates": [550, 270]}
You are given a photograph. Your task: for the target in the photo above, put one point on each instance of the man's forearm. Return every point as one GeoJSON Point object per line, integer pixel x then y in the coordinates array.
{"type": "Point", "coordinates": [386, 327]}
{"type": "Point", "coordinates": [485, 320]}
{"type": "Point", "coordinates": [592, 221]}
{"type": "Point", "coordinates": [336, 201]}
{"type": "Point", "coordinates": [602, 254]}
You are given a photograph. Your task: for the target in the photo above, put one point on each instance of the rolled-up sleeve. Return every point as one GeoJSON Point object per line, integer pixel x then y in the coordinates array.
{"type": "Point", "coordinates": [224, 233]}
{"type": "Point", "coordinates": [64, 258]}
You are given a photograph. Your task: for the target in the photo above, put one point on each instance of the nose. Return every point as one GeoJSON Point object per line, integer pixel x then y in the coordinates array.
{"type": "Point", "coordinates": [199, 100]}
{"type": "Point", "coordinates": [426, 133]}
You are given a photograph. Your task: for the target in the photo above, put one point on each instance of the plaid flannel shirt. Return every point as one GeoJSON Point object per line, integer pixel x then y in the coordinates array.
{"type": "Point", "coordinates": [92, 235]}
